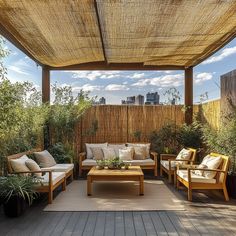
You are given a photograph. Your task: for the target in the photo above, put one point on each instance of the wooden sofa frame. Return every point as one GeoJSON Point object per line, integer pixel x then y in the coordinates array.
{"type": "Point", "coordinates": [153, 155]}
{"type": "Point", "coordinates": [221, 176]}
{"type": "Point", "coordinates": [41, 189]}
{"type": "Point", "coordinates": [172, 157]}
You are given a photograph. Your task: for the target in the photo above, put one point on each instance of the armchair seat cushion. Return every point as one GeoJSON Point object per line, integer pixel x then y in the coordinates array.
{"type": "Point", "coordinates": [56, 177]}
{"type": "Point", "coordinates": [195, 178]}
{"type": "Point", "coordinates": [166, 164]}
{"type": "Point", "coordinates": [60, 168]}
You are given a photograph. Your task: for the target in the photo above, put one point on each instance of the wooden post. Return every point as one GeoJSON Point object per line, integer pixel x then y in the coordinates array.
{"type": "Point", "coordinates": [45, 84]}
{"type": "Point", "coordinates": [188, 95]}
{"type": "Point", "coordinates": [46, 99]}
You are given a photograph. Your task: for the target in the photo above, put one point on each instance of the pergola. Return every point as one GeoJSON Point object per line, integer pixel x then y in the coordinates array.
{"type": "Point", "coordinates": [119, 34]}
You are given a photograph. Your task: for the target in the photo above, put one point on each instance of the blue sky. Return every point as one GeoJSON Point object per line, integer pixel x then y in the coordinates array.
{"type": "Point", "coordinates": [117, 85]}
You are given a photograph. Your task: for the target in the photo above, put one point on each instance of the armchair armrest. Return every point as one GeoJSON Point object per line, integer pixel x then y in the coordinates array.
{"type": "Point", "coordinates": [167, 157]}
{"type": "Point", "coordinates": [82, 156]}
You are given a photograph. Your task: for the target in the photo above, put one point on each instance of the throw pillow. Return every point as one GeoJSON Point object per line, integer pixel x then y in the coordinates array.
{"type": "Point", "coordinates": [211, 162]}
{"type": "Point", "coordinates": [90, 145]}
{"type": "Point", "coordinates": [126, 154]}
{"type": "Point", "coordinates": [140, 153]}
{"type": "Point", "coordinates": [109, 153]}
{"type": "Point", "coordinates": [97, 153]}
{"type": "Point", "coordinates": [184, 154]}
{"type": "Point", "coordinates": [147, 145]}
{"type": "Point", "coordinates": [33, 166]}
{"type": "Point", "coordinates": [200, 172]}
{"type": "Point", "coordinates": [44, 159]}
{"type": "Point", "coordinates": [18, 165]}
{"type": "Point", "coordinates": [116, 147]}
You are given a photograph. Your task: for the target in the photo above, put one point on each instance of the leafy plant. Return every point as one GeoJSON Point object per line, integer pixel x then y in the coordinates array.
{"type": "Point", "coordinates": [61, 153]}
{"type": "Point", "coordinates": [172, 96]}
{"type": "Point", "coordinates": [137, 134]}
{"type": "Point", "coordinates": [18, 186]}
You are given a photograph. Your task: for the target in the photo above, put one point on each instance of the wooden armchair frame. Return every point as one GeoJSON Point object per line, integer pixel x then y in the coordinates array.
{"type": "Point", "coordinates": [220, 177]}
{"type": "Point", "coordinates": [153, 155]}
{"type": "Point", "coordinates": [41, 188]}
{"type": "Point", "coordinates": [172, 157]}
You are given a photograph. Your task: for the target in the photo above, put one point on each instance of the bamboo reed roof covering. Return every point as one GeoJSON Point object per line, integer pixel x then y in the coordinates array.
{"type": "Point", "coordinates": [61, 33]}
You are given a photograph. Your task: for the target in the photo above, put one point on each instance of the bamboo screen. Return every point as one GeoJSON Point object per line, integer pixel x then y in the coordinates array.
{"type": "Point", "coordinates": [154, 32]}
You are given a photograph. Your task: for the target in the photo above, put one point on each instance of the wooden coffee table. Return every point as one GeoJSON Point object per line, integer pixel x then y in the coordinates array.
{"type": "Point", "coordinates": [134, 173]}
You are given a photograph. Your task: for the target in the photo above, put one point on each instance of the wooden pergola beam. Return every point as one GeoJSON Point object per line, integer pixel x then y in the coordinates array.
{"type": "Point", "coordinates": [188, 95]}
{"type": "Point", "coordinates": [45, 84]}
{"type": "Point", "coordinates": [116, 66]}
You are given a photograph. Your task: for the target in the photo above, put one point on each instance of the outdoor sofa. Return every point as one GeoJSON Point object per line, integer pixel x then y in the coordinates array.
{"type": "Point", "coordinates": [147, 162]}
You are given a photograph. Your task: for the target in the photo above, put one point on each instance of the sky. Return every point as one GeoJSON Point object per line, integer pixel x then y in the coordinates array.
{"type": "Point", "coordinates": [117, 85]}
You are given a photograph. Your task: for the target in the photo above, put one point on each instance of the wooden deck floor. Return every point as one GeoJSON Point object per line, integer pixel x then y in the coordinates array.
{"type": "Point", "coordinates": [204, 216]}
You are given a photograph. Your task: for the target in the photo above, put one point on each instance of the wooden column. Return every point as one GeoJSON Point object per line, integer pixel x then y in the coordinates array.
{"type": "Point", "coordinates": [45, 84]}
{"type": "Point", "coordinates": [188, 95]}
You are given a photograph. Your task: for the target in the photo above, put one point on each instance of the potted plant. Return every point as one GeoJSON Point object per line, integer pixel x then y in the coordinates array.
{"type": "Point", "coordinates": [17, 192]}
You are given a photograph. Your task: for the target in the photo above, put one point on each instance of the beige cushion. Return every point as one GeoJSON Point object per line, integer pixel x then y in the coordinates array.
{"type": "Point", "coordinates": [60, 168]}
{"type": "Point", "coordinates": [126, 154]}
{"type": "Point", "coordinates": [146, 162]}
{"type": "Point", "coordinates": [200, 172]}
{"type": "Point", "coordinates": [116, 147]}
{"type": "Point", "coordinates": [44, 159]}
{"type": "Point", "coordinates": [195, 178]}
{"type": "Point", "coordinates": [166, 164]}
{"type": "Point", "coordinates": [109, 153]}
{"type": "Point", "coordinates": [97, 153]}
{"type": "Point", "coordinates": [140, 152]}
{"type": "Point", "coordinates": [19, 165]}
{"type": "Point", "coordinates": [33, 166]}
{"type": "Point", "coordinates": [89, 151]}
{"type": "Point", "coordinates": [56, 177]}
{"type": "Point", "coordinates": [184, 154]}
{"type": "Point", "coordinates": [147, 145]}
{"type": "Point", "coordinates": [89, 162]}
{"type": "Point", "coordinates": [211, 162]}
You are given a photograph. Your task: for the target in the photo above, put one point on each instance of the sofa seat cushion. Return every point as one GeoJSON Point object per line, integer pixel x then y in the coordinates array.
{"type": "Point", "coordinates": [60, 168]}
{"type": "Point", "coordinates": [195, 178]}
{"type": "Point", "coordinates": [145, 162]}
{"type": "Point", "coordinates": [89, 162]}
{"type": "Point", "coordinates": [56, 177]}
{"type": "Point", "coordinates": [166, 164]}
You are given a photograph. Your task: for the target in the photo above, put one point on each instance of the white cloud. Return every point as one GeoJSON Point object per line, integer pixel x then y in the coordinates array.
{"type": "Point", "coordinates": [87, 87]}
{"type": "Point", "coordinates": [201, 77]}
{"type": "Point", "coordinates": [137, 76]}
{"type": "Point", "coordinates": [96, 74]}
{"type": "Point", "coordinates": [116, 87]}
{"type": "Point", "coordinates": [162, 81]}
{"type": "Point", "coordinates": [18, 70]}
{"type": "Point", "coordinates": [225, 53]}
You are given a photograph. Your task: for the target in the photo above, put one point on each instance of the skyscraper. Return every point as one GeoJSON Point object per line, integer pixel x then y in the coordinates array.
{"type": "Point", "coordinates": [152, 98]}
{"type": "Point", "coordinates": [139, 100]}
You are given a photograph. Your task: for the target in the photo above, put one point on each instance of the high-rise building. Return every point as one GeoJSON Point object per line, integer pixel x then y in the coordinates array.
{"type": "Point", "coordinates": [102, 101]}
{"type": "Point", "coordinates": [139, 100]}
{"type": "Point", "coordinates": [129, 100]}
{"type": "Point", "coordinates": [152, 98]}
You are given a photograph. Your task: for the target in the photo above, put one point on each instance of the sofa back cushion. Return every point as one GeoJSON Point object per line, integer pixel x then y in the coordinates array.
{"type": "Point", "coordinates": [89, 151]}
{"type": "Point", "coordinates": [126, 154]}
{"type": "Point", "coordinates": [97, 153]}
{"type": "Point", "coordinates": [44, 159]}
{"type": "Point", "coordinates": [33, 166]}
{"type": "Point", "coordinates": [109, 153]}
{"type": "Point", "coordinates": [146, 145]}
{"type": "Point", "coordinates": [116, 147]}
{"type": "Point", "coordinates": [19, 165]}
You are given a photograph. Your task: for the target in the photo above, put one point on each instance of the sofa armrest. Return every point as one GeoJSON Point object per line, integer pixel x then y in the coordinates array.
{"type": "Point", "coordinates": [154, 156]}
{"type": "Point", "coordinates": [167, 157]}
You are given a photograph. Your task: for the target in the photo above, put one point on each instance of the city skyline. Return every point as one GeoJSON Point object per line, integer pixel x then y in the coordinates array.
{"type": "Point", "coordinates": [117, 85]}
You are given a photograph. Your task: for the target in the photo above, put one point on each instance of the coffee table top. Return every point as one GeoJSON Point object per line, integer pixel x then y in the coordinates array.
{"type": "Point", "coordinates": [132, 171]}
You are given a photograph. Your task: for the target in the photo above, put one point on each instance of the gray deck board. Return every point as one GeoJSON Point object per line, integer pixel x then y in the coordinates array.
{"type": "Point", "coordinates": [204, 216]}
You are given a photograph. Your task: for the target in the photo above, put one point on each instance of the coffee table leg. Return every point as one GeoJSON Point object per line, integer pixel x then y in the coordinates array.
{"type": "Point", "coordinates": [141, 186]}
{"type": "Point", "coordinates": [89, 186]}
